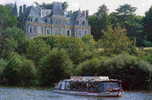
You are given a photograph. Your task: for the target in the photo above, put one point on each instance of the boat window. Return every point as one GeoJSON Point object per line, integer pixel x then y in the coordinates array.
{"type": "Point", "coordinates": [67, 86]}
{"type": "Point", "coordinates": [108, 86]}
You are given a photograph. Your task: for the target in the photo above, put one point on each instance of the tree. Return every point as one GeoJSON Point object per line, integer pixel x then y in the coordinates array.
{"type": "Point", "coordinates": [75, 47]}
{"type": "Point", "coordinates": [102, 11]}
{"type": "Point", "coordinates": [147, 25]}
{"type": "Point", "coordinates": [115, 41]}
{"type": "Point", "coordinates": [19, 71]}
{"type": "Point", "coordinates": [13, 8]}
{"type": "Point", "coordinates": [3, 64]}
{"type": "Point", "coordinates": [89, 67]}
{"type": "Point", "coordinates": [125, 17]}
{"type": "Point", "coordinates": [65, 5]}
{"type": "Point", "coordinates": [6, 18]}
{"type": "Point", "coordinates": [126, 10]}
{"type": "Point", "coordinates": [134, 73]}
{"type": "Point", "coordinates": [55, 67]}
{"type": "Point", "coordinates": [12, 39]}
{"type": "Point", "coordinates": [36, 49]}
{"type": "Point", "coordinates": [99, 22]}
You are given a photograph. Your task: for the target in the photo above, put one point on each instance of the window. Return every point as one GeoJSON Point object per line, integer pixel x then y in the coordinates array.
{"type": "Point", "coordinates": [48, 31]}
{"type": "Point", "coordinates": [30, 29]}
{"type": "Point", "coordinates": [68, 32]}
{"type": "Point", "coordinates": [36, 19]}
{"type": "Point", "coordinates": [83, 23]}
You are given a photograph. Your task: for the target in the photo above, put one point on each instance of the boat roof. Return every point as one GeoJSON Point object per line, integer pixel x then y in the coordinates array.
{"type": "Point", "coordinates": [91, 79]}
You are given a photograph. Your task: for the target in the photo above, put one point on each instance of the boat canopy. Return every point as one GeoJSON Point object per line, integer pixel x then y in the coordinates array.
{"type": "Point", "coordinates": [89, 78]}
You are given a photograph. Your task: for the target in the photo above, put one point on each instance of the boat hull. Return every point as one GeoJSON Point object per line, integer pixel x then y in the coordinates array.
{"type": "Point", "coordinates": [103, 94]}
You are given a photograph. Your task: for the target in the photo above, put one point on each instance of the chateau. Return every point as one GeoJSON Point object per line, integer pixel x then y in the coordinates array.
{"type": "Point", "coordinates": [54, 21]}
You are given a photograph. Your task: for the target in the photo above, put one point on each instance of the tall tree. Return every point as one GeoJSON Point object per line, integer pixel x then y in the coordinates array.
{"type": "Point", "coordinates": [126, 10]}
{"type": "Point", "coordinates": [115, 41]}
{"type": "Point", "coordinates": [148, 24]}
{"type": "Point", "coordinates": [126, 18]}
{"type": "Point", "coordinates": [99, 22]}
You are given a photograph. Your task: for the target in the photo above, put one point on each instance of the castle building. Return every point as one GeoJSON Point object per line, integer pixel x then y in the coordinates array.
{"type": "Point", "coordinates": [54, 21]}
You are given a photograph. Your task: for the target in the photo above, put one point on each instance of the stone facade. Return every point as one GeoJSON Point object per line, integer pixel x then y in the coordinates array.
{"type": "Point", "coordinates": [55, 21]}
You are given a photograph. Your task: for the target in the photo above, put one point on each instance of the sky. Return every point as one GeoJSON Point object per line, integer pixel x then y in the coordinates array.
{"type": "Point", "coordinates": [92, 5]}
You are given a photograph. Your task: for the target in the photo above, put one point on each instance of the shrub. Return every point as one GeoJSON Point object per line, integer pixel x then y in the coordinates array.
{"type": "Point", "coordinates": [89, 67]}
{"type": "Point", "coordinates": [3, 64]}
{"type": "Point", "coordinates": [19, 71]}
{"type": "Point", "coordinates": [36, 49]}
{"type": "Point", "coordinates": [55, 66]}
{"type": "Point", "coordinates": [135, 73]}
{"type": "Point", "coordinates": [75, 47]}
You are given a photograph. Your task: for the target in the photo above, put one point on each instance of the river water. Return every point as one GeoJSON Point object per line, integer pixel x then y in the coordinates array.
{"type": "Point", "coordinates": [33, 94]}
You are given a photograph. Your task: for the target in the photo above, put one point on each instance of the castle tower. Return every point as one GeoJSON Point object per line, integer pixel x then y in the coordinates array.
{"type": "Point", "coordinates": [57, 8]}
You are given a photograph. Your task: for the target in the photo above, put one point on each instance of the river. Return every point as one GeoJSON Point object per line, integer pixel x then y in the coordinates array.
{"type": "Point", "coordinates": [33, 94]}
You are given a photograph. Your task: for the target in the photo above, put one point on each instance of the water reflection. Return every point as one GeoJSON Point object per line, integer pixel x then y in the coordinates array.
{"type": "Point", "coordinates": [30, 94]}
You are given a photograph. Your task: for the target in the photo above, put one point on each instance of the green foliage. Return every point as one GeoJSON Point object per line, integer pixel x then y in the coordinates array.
{"type": "Point", "coordinates": [89, 67]}
{"type": "Point", "coordinates": [75, 47]}
{"type": "Point", "coordinates": [12, 40]}
{"type": "Point", "coordinates": [36, 49]}
{"type": "Point", "coordinates": [135, 73]}
{"type": "Point", "coordinates": [126, 9]}
{"type": "Point", "coordinates": [99, 22]}
{"type": "Point", "coordinates": [115, 41]}
{"type": "Point", "coordinates": [3, 64]}
{"type": "Point", "coordinates": [55, 66]}
{"type": "Point", "coordinates": [147, 43]}
{"type": "Point", "coordinates": [19, 71]}
{"type": "Point", "coordinates": [6, 18]}
{"type": "Point", "coordinates": [125, 17]}
{"type": "Point", "coordinates": [147, 24]}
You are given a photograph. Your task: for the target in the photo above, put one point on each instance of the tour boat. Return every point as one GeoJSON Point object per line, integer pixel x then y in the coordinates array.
{"type": "Point", "coordinates": [100, 86]}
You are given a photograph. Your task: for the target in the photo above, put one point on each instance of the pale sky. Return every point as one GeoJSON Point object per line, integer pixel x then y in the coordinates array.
{"type": "Point", "coordinates": [92, 5]}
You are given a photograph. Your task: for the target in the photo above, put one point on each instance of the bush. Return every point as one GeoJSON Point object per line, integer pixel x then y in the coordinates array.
{"type": "Point", "coordinates": [36, 49]}
{"type": "Point", "coordinates": [19, 71]}
{"type": "Point", "coordinates": [3, 64]}
{"type": "Point", "coordinates": [135, 73]}
{"type": "Point", "coordinates": [55, 66]}
{"type": "Point", "coordinates": [75, 47]}
{"type": "Point", "coordinates": [89, 67]}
